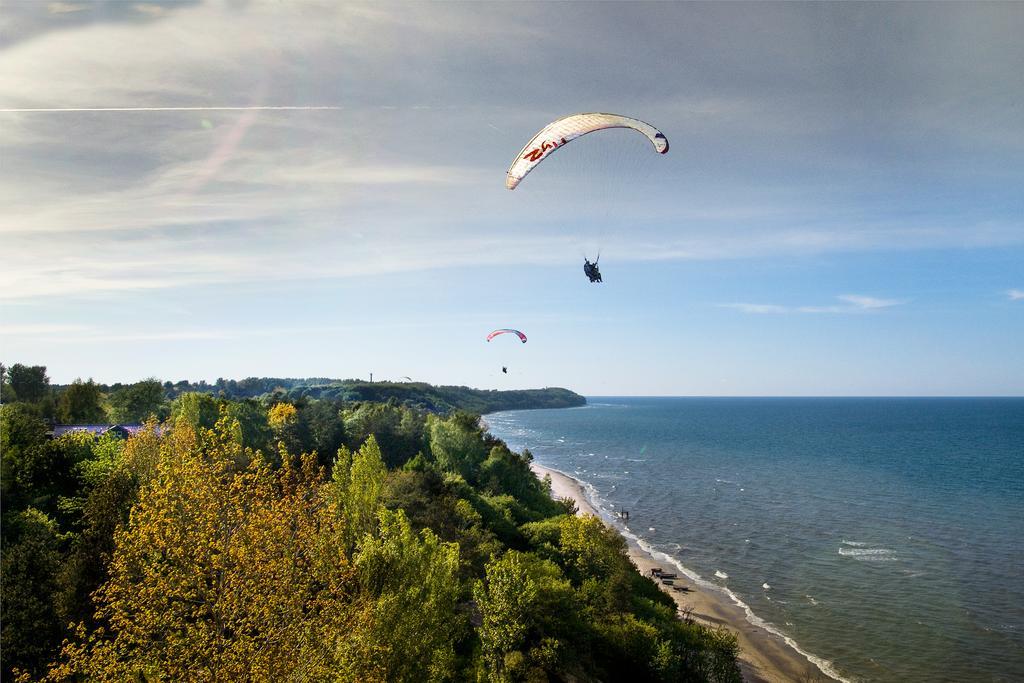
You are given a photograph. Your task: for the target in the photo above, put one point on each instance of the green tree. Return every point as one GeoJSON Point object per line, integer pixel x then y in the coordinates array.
{"type": "Point", "coordinates": [505, 600]}
{"type": "Point", "coordinates": [104, 511]}
{"type": "Point", "coordinates": [529, 612]}
{"type": "Point", "coordinates": [411, 582]}
{"type": "Point", "coordinates": [138, 402]}
{"type": "Point", "coordinates": [29, 382]}
{"type": "Point", "coordinates": [457, 444]}
{"type": "Point", "coordinates": [196, 409]}
{"type": "Point", "coordinates": [505, 472]}
{"type": "Point", "coordinates": [252, 421]}
{"type": "Point", "coordinates": [31, 558]}
{"type": "Point", "coordinates": [81, 403]}
{"type": "Point", "coordinates": [7, 394]}
{"type": "Point", "coordinates": [398, 431]}
{"type": "Point", "coordinates": [31, 470]}
{"type": "Point", "coordinates": [325, 428]}
{"type": "Point", "coordinates": [357, 483]}
{"type": "Point", "coordinates": [590, 549]}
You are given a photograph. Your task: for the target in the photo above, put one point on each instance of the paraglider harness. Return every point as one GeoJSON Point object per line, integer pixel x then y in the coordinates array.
{"type": "Point", "coordinates": [590, 269]}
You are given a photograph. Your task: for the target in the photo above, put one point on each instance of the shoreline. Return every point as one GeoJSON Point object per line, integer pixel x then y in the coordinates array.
{"type": "Point", "coordinates": [765, 656]}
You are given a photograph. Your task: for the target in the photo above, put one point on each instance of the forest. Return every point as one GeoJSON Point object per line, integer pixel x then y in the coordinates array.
{"type": "Point", "coordinates": [420, 395]}
{"type": "Point", "coordinates": [293, 537]}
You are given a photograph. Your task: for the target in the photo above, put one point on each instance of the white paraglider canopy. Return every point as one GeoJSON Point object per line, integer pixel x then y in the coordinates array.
{"type": "Point", "coordinates": [564, 130]}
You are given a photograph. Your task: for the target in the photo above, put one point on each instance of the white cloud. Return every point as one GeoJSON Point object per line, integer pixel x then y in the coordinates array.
{"type": "Point", "coordinates": [869, 302]}
{"type": "Point", "coordinates": [757, 308]}
{"type": "Point", "coordinates": [86, 334]}
{"type": "Point", "coordinates": [855, 303]}
{"type": "Point", "coordinates": [32, 330]}
{"type": "Point", "coordinates": [65, 7]}
{"type": "Point", "coordinates": [1015, 294]}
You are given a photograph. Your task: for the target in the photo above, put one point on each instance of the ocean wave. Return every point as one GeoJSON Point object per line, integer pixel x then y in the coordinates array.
{"type": "Point", "coordinates": [720, 574]}
{"type": "Point", "coordinates": [869, 554]}
{"type": "Point", "coordinates": [766, 586]}
{"type": "Point", "coordinates": [855, 544]}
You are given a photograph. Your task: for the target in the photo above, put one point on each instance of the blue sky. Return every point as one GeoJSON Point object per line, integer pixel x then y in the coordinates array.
{"type": "Point", "coordinates": [840, 212]}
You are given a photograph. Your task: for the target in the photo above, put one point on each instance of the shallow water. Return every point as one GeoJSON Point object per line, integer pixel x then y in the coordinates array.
{"type": "Point", "coordinates": [883, 535]}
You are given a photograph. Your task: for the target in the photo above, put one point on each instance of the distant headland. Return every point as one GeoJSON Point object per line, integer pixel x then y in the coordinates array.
{"type": "Point", "coordinates": [417, 395]}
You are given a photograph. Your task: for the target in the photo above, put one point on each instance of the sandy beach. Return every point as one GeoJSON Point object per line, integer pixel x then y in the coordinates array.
{"type": "Point", "coordinates": [764, 656]}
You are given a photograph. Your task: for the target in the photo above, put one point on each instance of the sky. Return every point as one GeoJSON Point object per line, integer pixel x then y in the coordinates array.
{"type": "Point", "coordinates": [230, 189]}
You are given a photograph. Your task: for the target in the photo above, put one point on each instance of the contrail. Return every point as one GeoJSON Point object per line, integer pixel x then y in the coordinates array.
{"type": "Point", "coordinates": [88, 109]}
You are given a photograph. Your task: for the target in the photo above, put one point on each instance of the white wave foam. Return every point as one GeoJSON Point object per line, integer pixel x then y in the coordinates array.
{"type": "Point", "coordinates": [720, 574]}
{"type": "Point", "coordinates": [856, 544]}
{"type": "Point", "coordinates": [766, 586]}
{"type": "Point", "coordinates": [857, 552]}
{"type": "Point", "coordinates": [870, 554]}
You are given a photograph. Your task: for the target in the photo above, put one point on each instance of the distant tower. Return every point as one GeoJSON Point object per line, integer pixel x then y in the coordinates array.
{"type": "Point", "coordinates": [371, 378]}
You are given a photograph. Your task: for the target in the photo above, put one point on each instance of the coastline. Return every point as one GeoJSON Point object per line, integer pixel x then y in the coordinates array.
{"type": "Point", "coordinates": [765, 657]}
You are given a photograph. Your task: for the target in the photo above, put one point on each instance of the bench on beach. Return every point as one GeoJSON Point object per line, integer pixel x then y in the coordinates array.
{"type": "Point", "coordinates": [668, 582]}
{"type": "Point", "coordinates": [656, 571]}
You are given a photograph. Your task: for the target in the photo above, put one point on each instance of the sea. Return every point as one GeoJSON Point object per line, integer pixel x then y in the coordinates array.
{"type": "Point", "coordinates": [884, 537]}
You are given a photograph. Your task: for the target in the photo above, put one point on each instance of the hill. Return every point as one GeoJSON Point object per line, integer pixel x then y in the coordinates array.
{"type": "Point", "coordinates": [420, 395]}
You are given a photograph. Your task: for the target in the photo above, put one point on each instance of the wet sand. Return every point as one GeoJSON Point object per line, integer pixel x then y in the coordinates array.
{"type": "Point", "coordinates": [764, 656]}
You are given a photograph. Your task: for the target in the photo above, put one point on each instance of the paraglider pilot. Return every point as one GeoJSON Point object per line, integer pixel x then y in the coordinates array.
{"type": "Point", "coordinates": [504, 369]}
{"type": "Point", "coordinates": [590, 269]}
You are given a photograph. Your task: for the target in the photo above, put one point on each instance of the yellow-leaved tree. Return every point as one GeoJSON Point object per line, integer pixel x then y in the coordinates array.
{"type": "Point", "coordinates": [227, 570]}
{"type": "Point", "coordinates": [281, 416]}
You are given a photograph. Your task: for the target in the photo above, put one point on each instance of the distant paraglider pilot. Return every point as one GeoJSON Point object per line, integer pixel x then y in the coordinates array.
{"type": "Point", "coordinates": [504, 369]}
{"type": "Point", "coordinates": [590, 269]}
